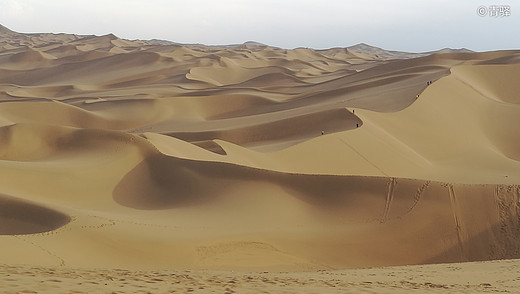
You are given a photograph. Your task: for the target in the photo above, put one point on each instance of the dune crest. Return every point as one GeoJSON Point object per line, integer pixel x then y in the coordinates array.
{"type": "Point", "coordinates": [155, 155]}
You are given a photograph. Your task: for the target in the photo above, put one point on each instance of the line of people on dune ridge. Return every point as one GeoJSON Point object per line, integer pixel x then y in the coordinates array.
{"type": "Point", "coordinates": [357, 125]}
{"type": "Point", "coordinates": [427, 84]}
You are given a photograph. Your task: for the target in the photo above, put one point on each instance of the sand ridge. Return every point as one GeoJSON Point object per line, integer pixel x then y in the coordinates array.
{"type": "Point", "coordinates": [148, 156]}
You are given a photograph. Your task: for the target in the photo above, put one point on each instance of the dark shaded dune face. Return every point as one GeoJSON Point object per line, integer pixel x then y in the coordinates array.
{"type": "Point", "coordinates": [18, 217]}
{"type": "Point", "coordinates": [212, 146]}
{"type": "Point", "coordinates": [260, 130]}
{"type": "Point", "coordinates": [430, 222]}
{"type": "Point", "coordinates": [162, 182]}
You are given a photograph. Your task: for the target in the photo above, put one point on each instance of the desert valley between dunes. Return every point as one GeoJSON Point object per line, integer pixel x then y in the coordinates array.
{"type": "Point", "coordinates": [149, 166]}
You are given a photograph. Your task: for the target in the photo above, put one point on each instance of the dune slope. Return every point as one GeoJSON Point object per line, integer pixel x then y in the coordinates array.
{"type": "Point", "coordinates": [140, 155]}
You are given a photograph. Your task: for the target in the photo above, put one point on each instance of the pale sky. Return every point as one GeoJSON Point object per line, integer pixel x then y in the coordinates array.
{"type": "Point", "coordinates": [404, 25]}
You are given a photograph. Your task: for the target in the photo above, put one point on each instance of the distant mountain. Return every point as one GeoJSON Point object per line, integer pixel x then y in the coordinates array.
{"type": "Point", "coordinates": [382, 53]}
{"type": "Point", "coordinates": [169, 43]}
{"type": "Point", "coordinates": [161, 42]}
{"type": "Point", "coordinates": [450, 50]}
{"type": "Point", "coordinates": [11, 37]}
{"type": "Point", "coordinates": [6, 31]}
{"type": "Point", "coordinates": [253, 43]}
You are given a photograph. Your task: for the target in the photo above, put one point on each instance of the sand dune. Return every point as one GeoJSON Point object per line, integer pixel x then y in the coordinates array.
{"type": "Point", "coordinates": [149, 156]}
{"type": "Point", "coordinates": [19, 217]}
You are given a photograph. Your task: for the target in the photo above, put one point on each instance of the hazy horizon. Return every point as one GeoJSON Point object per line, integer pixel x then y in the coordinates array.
{"type": "Point", "coordinates": [404, 25]}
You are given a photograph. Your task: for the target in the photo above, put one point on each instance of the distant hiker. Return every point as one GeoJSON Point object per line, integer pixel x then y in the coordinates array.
{"type": "Point", "coordinates": [322, 132]}
{"type": "Point", "coordinates": [417, 97]}
{"type": "Point", "coordinates": [352, 110]}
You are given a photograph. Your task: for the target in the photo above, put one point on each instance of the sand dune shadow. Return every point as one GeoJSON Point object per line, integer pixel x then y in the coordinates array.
{"type": "Point", "coordinates": [18, 217]}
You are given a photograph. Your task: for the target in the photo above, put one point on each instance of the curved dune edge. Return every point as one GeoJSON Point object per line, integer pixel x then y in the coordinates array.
{"type": "Point", "coordinates": [287, 221]}
{"type": "Point", "coordinates": [253, 157]}
{"type": "Point", "coordinates": [383, 221]}
{"type": "Point", "coordinates": [452, 133]}
{"type": "Point", "coordinates": [19, 217]}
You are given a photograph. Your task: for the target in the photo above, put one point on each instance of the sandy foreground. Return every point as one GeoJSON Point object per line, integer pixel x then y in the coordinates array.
{"type": "Point", "coordinates": [250, 168]}
{"type": "Point", "coordinates": [473, 277]}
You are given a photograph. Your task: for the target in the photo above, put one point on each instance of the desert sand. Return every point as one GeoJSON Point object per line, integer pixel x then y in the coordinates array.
{"type": "Point", "coordinates": [304, 170]}
{"type": "Point", "coordinates": [472, 277]}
